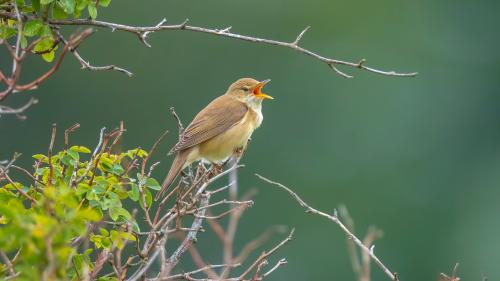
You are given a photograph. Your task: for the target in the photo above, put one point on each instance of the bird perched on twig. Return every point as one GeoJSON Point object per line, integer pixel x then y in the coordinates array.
{"type": "Point", "coordinates": [221, 129]}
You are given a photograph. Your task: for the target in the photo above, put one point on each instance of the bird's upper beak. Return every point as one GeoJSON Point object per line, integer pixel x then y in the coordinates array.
{"type": "Point", "coordinates": [257, 90]}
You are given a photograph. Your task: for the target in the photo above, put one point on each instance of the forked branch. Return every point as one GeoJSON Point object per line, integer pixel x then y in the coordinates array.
{"type": "Point", "coordinates": [143, 31]}
{"type": "Point", "coordinates": [335, 219]}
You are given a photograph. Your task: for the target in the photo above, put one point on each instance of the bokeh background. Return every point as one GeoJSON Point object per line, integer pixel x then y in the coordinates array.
{"type": "Point", "coordinates": [417, 157]}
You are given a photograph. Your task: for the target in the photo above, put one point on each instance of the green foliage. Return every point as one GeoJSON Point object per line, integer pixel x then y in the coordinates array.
{"type": "Point", "coordinates": [43, 222]}
{"type": "Point", "coordinates": [39, 14]}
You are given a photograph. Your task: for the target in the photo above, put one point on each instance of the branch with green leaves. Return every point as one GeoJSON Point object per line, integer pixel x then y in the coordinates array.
{"type": "Point", "coordinates": [34, 28]}
{"type": "Point", "coordinates": [89, 214]}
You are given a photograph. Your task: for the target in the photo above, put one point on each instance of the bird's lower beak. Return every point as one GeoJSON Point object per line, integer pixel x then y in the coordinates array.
{"type": "Point", "coordinates": [257, 91]}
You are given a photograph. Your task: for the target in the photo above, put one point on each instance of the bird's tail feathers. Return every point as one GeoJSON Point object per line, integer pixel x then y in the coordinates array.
{"type": "Point", "coordinates": [175, 169]}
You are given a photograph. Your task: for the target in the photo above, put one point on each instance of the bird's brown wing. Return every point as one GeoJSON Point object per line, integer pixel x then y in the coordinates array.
{"type": "Point", "coordinates": [221, 114]}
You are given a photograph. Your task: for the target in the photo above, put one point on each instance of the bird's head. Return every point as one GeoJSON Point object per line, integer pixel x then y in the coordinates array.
{"type": "Point", "coordinates": [248, 90]}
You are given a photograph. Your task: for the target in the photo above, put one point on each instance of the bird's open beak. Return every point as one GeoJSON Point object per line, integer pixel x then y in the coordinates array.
{"type": "Point", "coordinates": [257, 90]}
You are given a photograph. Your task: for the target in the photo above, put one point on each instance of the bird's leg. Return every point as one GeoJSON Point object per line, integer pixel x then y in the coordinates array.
{"type": "Point", "coordinates": [238, 152]}
{"type": "Point", "coordinates": [217, 168]}
{"type": "Point", "coordinates": [186, 174]}
{"type": "Point", "coordinates": [200, 170]}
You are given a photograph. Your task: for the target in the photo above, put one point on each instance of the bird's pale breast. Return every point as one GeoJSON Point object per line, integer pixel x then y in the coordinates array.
{"type": "Point", "coordinates": [220, 147]}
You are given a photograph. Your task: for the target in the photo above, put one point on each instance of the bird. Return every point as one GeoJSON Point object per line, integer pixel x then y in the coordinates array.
{"type": "Point", "coordinates": [221, 129]}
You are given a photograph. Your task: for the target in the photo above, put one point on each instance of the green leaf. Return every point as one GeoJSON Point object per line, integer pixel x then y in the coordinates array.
{"type": "Point", "coordinates": [92, 10]}
{"type": "Point", "coordinates": [104, 232]}
{"type": "Point", "coordinates": [80, 149]}
{"type": "Point", "coordinates": [36, 4]}
{"type": "Point", "coordinates": [140, 153]}
{"type": "Point", "coordinates": [6, 32]}
{"type": "Point", "coordinates": [41, 158]}
{"type": "Point", "coordinates": [6, 195]}
{"type": "Point", "coordinates": [135, 226]}
{"type": "Point", "coordinates": [49, 57]}
{"type": "Point", "coordinates": [118, 169]}
{"type": "Point", "coordinates": [106, 164]}
{"type": "Point", "coordinates": [153, 184]}
{"type": "Point", "coordinates": [67, 160]}
{"type": "Point", "coordinates": [82, 188]}
{"type": "Point", "coordinates": [149, 198]}
{"type": "Point", "coordinates": [73, 154]}
{"type": "Point", "coordinates": [128, 236]}
{"type": "Point", "coordinates": [98, 214]}
{"type": "Point", "coordinates": [58, 12]}
{"type": "Point", "coordinates": [104, 3]}
{"type": "Point", "coordinates": [43, 46]}
{"type": "Point", "coordinates": [24, 41]}
{"type": "Point", "coordinates": [32, 28]}
{"type": "Point", "coordinates": [45, 31]}
{"type": "Point", "coordinates": [81, 4]}
{"type": "Point", "coordinates": [69, 6]}
{"type": "Point", "coordinates": [46, 2]}
{"type": "Point", "coordinates": [27, 9]}
{"type": "Point", "coordinates": [134, 192]}
{"type": "Point", "coordinates": [116, 212]}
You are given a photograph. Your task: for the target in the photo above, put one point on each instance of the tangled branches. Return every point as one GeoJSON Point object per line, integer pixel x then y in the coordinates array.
{"type": "Point", "coordinates": [75, 203]}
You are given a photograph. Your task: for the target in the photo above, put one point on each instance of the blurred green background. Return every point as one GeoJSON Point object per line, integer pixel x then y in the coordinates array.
{"type": "Point", "coordinates": [418, 157]}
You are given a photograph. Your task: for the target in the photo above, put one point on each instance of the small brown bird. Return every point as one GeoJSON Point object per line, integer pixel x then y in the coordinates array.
{"type": "Point", "coordinates": [223, 127]}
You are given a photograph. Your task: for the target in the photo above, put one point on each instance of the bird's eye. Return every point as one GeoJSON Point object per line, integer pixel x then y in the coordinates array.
{"type": "Point", "coordinates": [245, 88]}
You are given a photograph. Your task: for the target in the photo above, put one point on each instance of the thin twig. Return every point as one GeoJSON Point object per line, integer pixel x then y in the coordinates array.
{"type": "Point", "coordinates": [4, 110]}
{"type": "Point", "coordinates": [73, 43]}
{"type": "Point", "coordinates": [94, 154]}
{"type": "Point", "coordinates": [264, 255]}
{"type": "Point", "coordinates": [51, 148]}
{"type": "Point", "coordinates": [179, 122]}
{"type": "Point", "coordinates": [8, 263]}
{"type": "Point", "coordinates": [187, 274]}
{"type": "Point", "coordinates": [151, 151]}
{"type": "Point", "coordinates": [69, 131]}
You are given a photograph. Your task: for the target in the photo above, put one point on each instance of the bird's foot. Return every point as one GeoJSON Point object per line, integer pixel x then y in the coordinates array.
{"type": "Point", "coordinates": [238, 153]}
{"type": "Point", "coordinates": [215, 170]}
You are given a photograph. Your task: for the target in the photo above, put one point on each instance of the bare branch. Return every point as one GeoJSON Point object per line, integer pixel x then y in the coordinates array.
{"type": "Point", "coordinates": [191, 236]}
{"type": "Point", "coordinates": [335, 219]}
{"type": "Point", "coordinates": [94, 154]}
{"type": "Point", "coordinates": [187, 275]}
{"type": "Point", "coordinates": [351, 247]}
{"type": "Point", "coordinates": [86, 65]}
{"type": "Point", "coordinates": [22, 192]}
{"type": "Point", "coordinates": [453, 277]}
{"type": "Point", "coordinates": [259, 241]}
{"type": "Point", "coordinates": [179, 122]}
{"type": "Point", "coordinates": [144, 35]}
{"type": "Point", "coordinates": [264, 255]}
{"type": "Point", "coordinates": [8, 263]}
{"type": "Point", "coordinates": [51, 148]}
{"type": "Point", "coordinates": [69, 131]}
{"type": "Point", "coordinates": [27, 173]}
{"type": "Point", "coordinates": [201, 264]}
{"type": "Point", "coordinates": [142, 30]}
{"type": "Point", "coordinates": [18, 111]}
{"type": "Point", "coordinates": [73, 43]}
{"type": "Point", "coordinates": [278, 264]}
{"type": "Point", "coordinates": [299, 37]}
{"type": "Point", "coordinates": [151, 151]}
